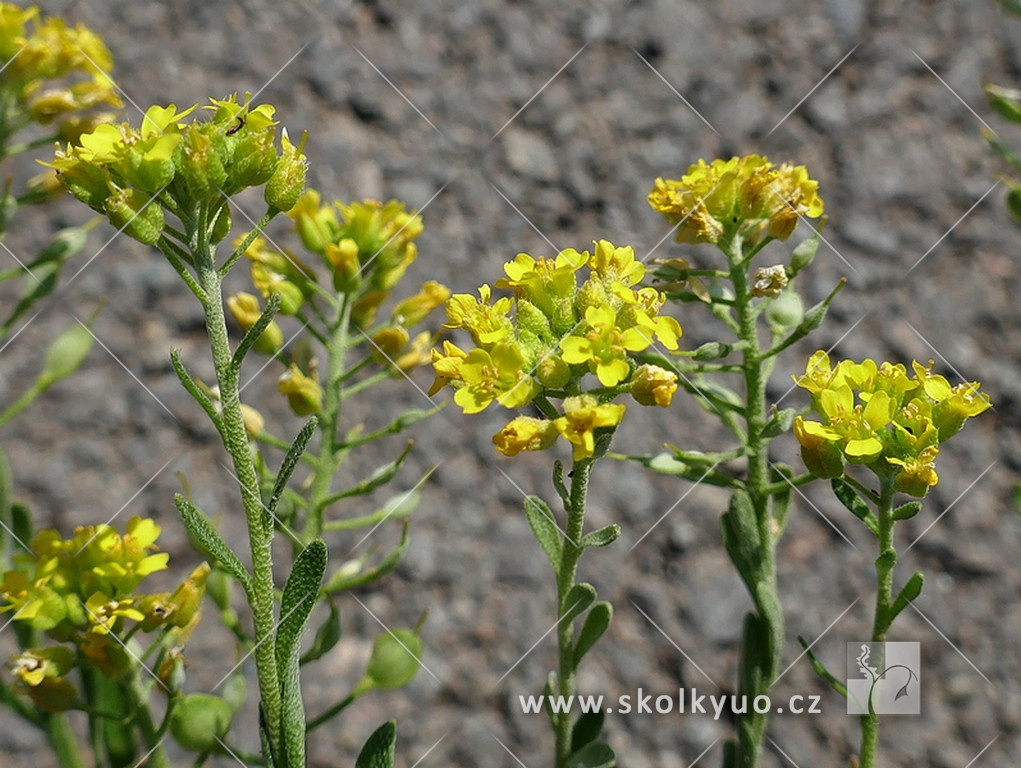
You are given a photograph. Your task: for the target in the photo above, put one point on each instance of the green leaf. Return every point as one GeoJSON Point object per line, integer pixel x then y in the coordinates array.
{"type": "Point", "coordinates": [22, 523]}
{"type": "Point", "coordinates": [756, 654]}
{"type": "Point", "coordinates": [558, 483]}
{"type": "Point", "coordinates": [195, 391]}
{"type": "Point", "coordinates": [741, 537]}
{"type": "Point", "coordinates": [1014, 6]}
{"type": "Point", "coordinates": [779, 422]}
{"type": "Point", "coordinates": [378, 751]}
{"type": "Point", "coordinates": [715, 397]}
{"type": "Point", "coordinates": [209, 542]}
{"type": "Point", "coordinates": [578, 599]}
{"type": "Point", "coordinates": [291, 461]}
{"type": "Point", "coordinates": [835, 683]}
{"type": "Point", "coordinates": [907, 511]}
{"type": "Point", "coordinates": [548, 692]}
{"type": "Point", "coordinates": [601, 537]}
{"type": "Point", "coordinates": [594, 755]}
{"type": "Point", "coordinates": [256, 330]}
{"type": "Point", "coordinates": [911, 590]}
{"type": "Point", "coordinates": [1014, 202]}
{"type": "Point", "coordinates": [544, 526]}
{"type": "Point", "coordinates": [781, 499]}
{"type": "Point", "coordinates": [849, 498]}
{"type": "Point", "coordinates": [296, 604]}
{"type": "Point", "coordinates": [327, 636]}
{"type": "Point", "coordinates": [1006, 102]}
{"type": "Point", "coordinates": [586, 729]}
{"type": "Point", "coordinates": [596, 623]}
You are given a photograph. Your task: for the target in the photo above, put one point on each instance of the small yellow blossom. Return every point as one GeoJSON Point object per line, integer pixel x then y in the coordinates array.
{"type": "Point", "coordinates": [652, 385]}
{"type": "Point", "coordinates": [582, 416]}
{"type": "Point", "coordinates": [525, 433]}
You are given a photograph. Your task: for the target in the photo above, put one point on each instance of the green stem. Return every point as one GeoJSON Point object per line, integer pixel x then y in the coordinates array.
{"type": "Point", "coordinates": [881, 621]}
{"type": "Point", "coordinates": [138, 700]}
{"type": "Point", "coordinates": [260, 526]}
{"type": "Point", "coordinates": [328, 461]}
{"type": "Point", "coordinates": [581, 471]}
{"type": "Point", "coordinates": [330, 713]}
{"type": "Point", "coordinates": [752, 725]}
{"type": "Point", "coordinates": [63, 741]}
{"type": "Point", "coordinates": [30, 394]}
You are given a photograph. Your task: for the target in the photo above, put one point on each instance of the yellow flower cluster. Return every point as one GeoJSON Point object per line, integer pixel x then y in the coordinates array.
{"type": "Point", "coordinates": [735, 194]}
{"type": "Point", "coordinates": [57, 73]}
{"type": "Point", "coordinates": [120, 170]}
{"type": "Point", "coordinates": [879, 416]}
{"type": "Point", "coordinates": [82, 589]}
{"type": "Point", "coordinates": [560, 332]}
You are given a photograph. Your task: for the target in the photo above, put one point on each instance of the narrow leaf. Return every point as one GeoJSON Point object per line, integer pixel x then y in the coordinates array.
{"type": "Point", "coordinates": [596, 623]}
{"type": "Point", "coordinates": [849, 497]}
{"type": "Point", "coordinates": [586, 729]}
{"type": "Point", "coordinates": [834, 682]}
{"type": "Point", "coordinates": [779, 422]}
{"type": "Point", "coordinates": [296, 604]}
{"type": "Point", "coordinates": [208, 541]}
{"type": "Point", "coordinates": [595, 755]}
{"type": "Point", "coordinates": [195, 391]}
{"type": "Point", "coordinates": [327, 636]}
{"type": "Point", "coordinates": [291, 460]}
{"type": "Point", "coordinates": [381, 476]}
{"type": "Point", "coordinates": [378, 751]}
{"type": "Point", "coordinates": [544, 526]}
{"type": "Point", "coordinates": [910, 591]}
{"type": "Point", "coordinates": [907, 511]}
{"type": "Point", "coordinates": [579, 598]}
{"type": "Point", "coordinates": [601, 537]}
{"type": "Point", "coordinates": [741, 537]}
{"type": "Point", "coordinates": [252, 334]}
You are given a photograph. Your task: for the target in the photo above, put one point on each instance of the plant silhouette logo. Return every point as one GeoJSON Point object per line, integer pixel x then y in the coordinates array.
{"type": "Point", "coordinates": [883, 679]}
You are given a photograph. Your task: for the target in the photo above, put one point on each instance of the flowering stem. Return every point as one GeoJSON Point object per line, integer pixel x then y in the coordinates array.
{"type": "Point", "coordinates": [572, 550]}
{"type": "Point", "coordinates": [885, 564]}
{"type": "Point", "coordinates": [63, 741]}
{"type": "Point", "coordinates": [260, 525]}
{"type": "Point", "coordinates": [329, 459]}
{"type": "Point", "coordinates": [767, 623]}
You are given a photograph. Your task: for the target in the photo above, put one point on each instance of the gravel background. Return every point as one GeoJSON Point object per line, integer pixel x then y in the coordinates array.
{"type": "Point", "coordinates": [519, 118]}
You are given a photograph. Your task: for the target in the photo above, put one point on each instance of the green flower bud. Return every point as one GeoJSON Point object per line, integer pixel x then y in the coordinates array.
{"type": "Point", "coordinates": [66, 353]}
{"type": "Point", "coordinates": [254, 160]}
{"type": "Point", "coordinates": [152, 170]}
{"type": "Point", "coordinates": [343, 257]}
{"type": "Point", "coordinates": [803, 255]}
{"type": "Point", "coordinates": [88, 183]}
{"type": "Point", "coordinates": [245, 309]}
{"type": "Point", "coordinates": [553, 372]}
{"type": "Point", "coordinates": [534, 321]}
{"type": "Point", "coordinates": [288, 180]}
{"type": "Point", "coordinates": [201, 165]}
{"type": "Point", "coordinates": [785, 312]}
{"type": "Point", "coordinates": [132, 211]}
{"type": "Point", "coordinates": [199, 720]}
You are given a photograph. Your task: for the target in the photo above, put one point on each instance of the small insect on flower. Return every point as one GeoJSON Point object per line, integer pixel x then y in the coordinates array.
{"type": "Point", "coordinates": [235, 128]}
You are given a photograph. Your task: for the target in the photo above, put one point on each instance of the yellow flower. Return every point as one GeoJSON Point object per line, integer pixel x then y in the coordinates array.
{"type": "Point", "coordinates": [582, 416]}
{"type": "Point", "coordinates": [105, 612]}
{"type": "Point", "coordinates": [604, 346]}
{"type": "Point", "coordinates": [447, 366]}
{"type": "Point", "coordinates": [652, 385]}
{"type": "Point", "coordinates": [487, 323]}
{"type": "Point", "coordinates": [525, 433]}
{"type": "Point", "coordinates": [494, 376]}
{"type": "Point", "coordinates": [917, 474]}
{"type": "Point", "coordinates": [616, 264]}
{"type": "Point", "coordinates": [820, 448]}
{"type": "Point", "coordinates": [415, 309]}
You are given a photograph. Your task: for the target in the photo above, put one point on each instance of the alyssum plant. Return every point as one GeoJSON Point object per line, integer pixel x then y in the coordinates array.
{"type": "Point", "coordinates": [174, 166]}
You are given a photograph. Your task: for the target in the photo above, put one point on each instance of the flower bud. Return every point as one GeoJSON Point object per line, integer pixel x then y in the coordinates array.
{"type": "Point", "coordinates": [200, 721]}
{"type": "Point", "coordinates": [531, 320]}
{"type": "Point", "coordinates": [85, 181]}
{"type": "Point", "coordinates": [803, 255]}
{"type": "Point", "coordinates": [316, 225]}
{"type": "Point", "coordinates": [254, 160]}
{"type": "Point", "coordinates": [254, 423]}
{"type": "Point", "coordinates": [414, 309]}
{"type": "Point", "coordinates": [525, 433]}
{"type": "Point", "coordinates": [303, 393]}
{"type": "Point", "coordinates": [187, 598]}
{"type": "Point", "coordinates": [133, 211]}
{"type": "Point", "coordinates": [201, 165]}
{"type": "Point", "coordinates": [652, 385]}
{"type": "Point", "coordinates": [343, 257]}
{"type": "Point", "coordinates": [769, 281]}
{"type": "Point", "coordinates": [785, 312]}
{"type": "Point", "coordinates": [288, 180]}
{"type": "Point", "coordinates": [269, 282]}
{"type": "Point", "coordinates": [388, 344]}
{"type": "Point", "coordinates": [553, 372]}
{"type": "Point", "coordinates": [66, 353]}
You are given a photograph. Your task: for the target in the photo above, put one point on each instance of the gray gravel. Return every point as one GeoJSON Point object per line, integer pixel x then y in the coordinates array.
{"type": "Point", "coordinates": [497, 152]}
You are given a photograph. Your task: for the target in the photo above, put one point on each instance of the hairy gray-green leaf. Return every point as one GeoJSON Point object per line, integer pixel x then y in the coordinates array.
{"type": "Point", "coordinates": [908, 593]}
{"type": "Point", "coordinates": [326, 636]}
{"type": "Point", "coordinates": [596, 754]}
{"type": "Point", "coordinates": [849, 497]}
{"type": "Point", "coordinates": [601, 537]}
{"type": "Point", "coordinates": [579, 598]}
{"type": "Point", "coordinates": [378, 751]}
{"type": "Point", "coordinates": [291, 460]}
{"type": "Point", "coordinates": [208, 540]}
{"type": "Point", "coordinates": [296, 604]}
{"type": "Point", "coordinates": [596, 623]}
{"type": "Point", "coordinates": [544, 526]}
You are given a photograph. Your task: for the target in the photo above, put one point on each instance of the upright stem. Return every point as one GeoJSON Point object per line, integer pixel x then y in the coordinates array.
{"type": "Point", "coordinates": [885, 564]}
{"type": "Point", "coordinates": [63, 741]}
{"type": "Point", "coordinates": [260, 524]}
{"type": "Point", "coordinates": [752, 725]}
{"type": "Point", "coordinates": [328, 462]}
{"type": "Point", "coordinates": [565, 581]}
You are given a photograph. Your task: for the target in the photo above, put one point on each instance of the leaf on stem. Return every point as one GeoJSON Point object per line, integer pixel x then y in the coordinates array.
{"type": "Point", "coordinates": [256, 330]}
{"type": "Point", "coordinates": [327, 636]}
{"type": "Point", "coordinates": [378, 751]}
{"type": "Point", "coordinates": [835, 683]}
{"type": "Point", "coordinates": [601, 537]}
{"type": "Point", "coordinates": [597, 754]}
{"type": "Point", "coordinates": [341, 579]}
{"type": "Point", "coordinates": [544, 526]}
{"type": "Point", "coordinates": [586, 729]}
{"type": "Point", "coordinates": [296, 604]}
{"type": "Point", "coordinates": [291, 461]}
{"type": "Point", "coordinates": [381, 476]}
{"type": "Point", "coordinates": [565, 495]}
{"type": "Point", "coordinates": [596, 623]}
{"type": "Point", "coordinates": [909, 592]}
{"type": "Point", "coordinates": [209, 542]}
{"type": "Point", "coordinates": [579, 598]}
{"type": "Point", "coordinates": [741, 538]}
{"type": "Point", "coordinates": [849, 497]}
{"type": "Point", "coordinates": [907, 511]}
